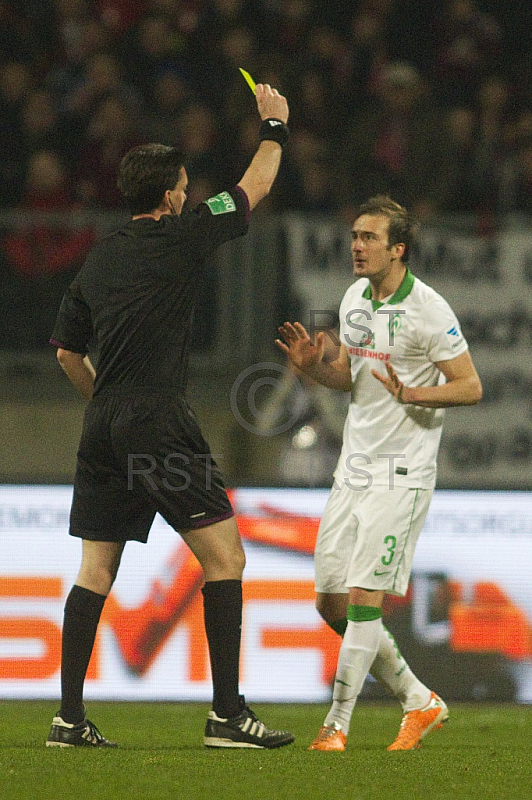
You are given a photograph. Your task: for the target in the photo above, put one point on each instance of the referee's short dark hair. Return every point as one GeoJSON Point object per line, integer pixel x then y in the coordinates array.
{"type": "Point", "coordinates": [402, 228]}
{"type": "Point", "coordinates": [145, 173]}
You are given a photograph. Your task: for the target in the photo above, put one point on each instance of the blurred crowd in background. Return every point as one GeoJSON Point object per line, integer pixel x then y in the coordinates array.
{"type": "Point", "coordinates": [429, 100]}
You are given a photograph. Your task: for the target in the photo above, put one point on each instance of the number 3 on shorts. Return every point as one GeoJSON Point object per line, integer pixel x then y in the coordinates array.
{"type": "Point", "coordinates": [390, 542]}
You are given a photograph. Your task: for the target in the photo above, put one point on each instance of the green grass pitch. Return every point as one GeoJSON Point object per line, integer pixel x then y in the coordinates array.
{"type": "Point", "coordinates": [483, 752]}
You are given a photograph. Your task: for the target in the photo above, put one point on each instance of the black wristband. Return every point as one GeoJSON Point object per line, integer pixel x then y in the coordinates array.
{"type": "Point", "coordinates": [274, 130]}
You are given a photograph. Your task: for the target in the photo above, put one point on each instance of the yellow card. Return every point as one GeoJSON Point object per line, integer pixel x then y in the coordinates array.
{"type": "Point", "coordinates": [249, 80]}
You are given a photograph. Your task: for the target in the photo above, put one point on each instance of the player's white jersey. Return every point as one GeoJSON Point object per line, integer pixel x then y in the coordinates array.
{"type": "Point", "coordinates": [385, 442]}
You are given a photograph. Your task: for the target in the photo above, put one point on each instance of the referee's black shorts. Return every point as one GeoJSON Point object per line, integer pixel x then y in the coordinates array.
{"type": "Point", "coordinates": [139, 455]}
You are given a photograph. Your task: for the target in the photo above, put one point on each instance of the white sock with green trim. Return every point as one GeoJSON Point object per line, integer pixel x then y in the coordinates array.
{"type": "Point", "coordinates": [357, 653]}
{"type": "Point", "coordinates": [391, 669]}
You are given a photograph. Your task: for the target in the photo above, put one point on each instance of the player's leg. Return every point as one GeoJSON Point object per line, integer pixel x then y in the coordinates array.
{"type": "Point", "coordinates": [423, 710]}
{"type": "Point", "coordinates": [332, 608]}
{"type": "Point", "coordinates": [359, 647]}
{"type": "Point", "coordinates": [231, 723]}
{"type": "Point", "coordinates": [336, 541]}
{"type": "Point", "coordinates": [389, 667]}
{"type": "Point", "coordinates": [83, 608]}
{"type": "Point", "coordinates": [382, 561]}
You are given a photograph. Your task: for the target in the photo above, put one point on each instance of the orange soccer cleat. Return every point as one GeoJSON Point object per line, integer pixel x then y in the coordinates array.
{"type": "Point", "coordinates": [416, 724]}
{"type": "Point", "coordinates": [330, 738]}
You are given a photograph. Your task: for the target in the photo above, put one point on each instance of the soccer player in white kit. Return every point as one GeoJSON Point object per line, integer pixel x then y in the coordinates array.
{"type": "Point", "coordinates": [404, 360]}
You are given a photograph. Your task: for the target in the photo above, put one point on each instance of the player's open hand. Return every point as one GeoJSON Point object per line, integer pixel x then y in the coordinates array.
{"type": "Point", "coordinates": [391, 383]}
{"type": "Point", "coordinates": [298, 346]}
{"type": "Point", "coordinates": [270, 103]}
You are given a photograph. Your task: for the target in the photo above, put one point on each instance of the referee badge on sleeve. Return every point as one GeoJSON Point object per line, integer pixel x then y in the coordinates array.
{"type": "Point", "coordinates": [221, 203]}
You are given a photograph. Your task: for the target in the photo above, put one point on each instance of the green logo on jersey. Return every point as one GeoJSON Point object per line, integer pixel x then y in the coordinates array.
{"type": "Point", "coordinates": [367, 340]}
{"type": "Point", "coordinates": [395, 325]}
{"type": "Point", "coordinates": [222, 203]}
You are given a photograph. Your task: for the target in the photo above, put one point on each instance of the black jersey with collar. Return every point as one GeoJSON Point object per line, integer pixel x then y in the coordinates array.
{"type": "Point", "coordinates": [136, 292]}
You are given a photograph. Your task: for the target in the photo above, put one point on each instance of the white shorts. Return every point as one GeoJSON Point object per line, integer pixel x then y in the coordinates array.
{"type": "Point", "coordinates": [367, 538]}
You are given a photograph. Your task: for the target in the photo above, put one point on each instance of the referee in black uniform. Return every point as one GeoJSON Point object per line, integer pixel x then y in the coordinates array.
{"type": "Point", "coordinates": [135, 296]}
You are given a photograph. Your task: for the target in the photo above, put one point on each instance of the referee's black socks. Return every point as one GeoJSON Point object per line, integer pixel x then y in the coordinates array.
{"type": "Point", "coordinates": [83, 609]}
{"type": "Point", "coordinates": [222, 602]}
{"type": "Point", "coordinates": [223, 622]}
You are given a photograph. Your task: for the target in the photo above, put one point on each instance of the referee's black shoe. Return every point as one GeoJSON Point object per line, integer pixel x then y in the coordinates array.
{"type": "Point", "coordinates": [84, 734]}
{"type": "Point", "coordinates": [244, 730]}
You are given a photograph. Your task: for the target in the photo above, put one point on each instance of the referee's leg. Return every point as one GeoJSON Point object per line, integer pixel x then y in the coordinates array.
{"type": "Point", "coordinates": [219, 550]}
{"type": "Point", "coordinates": [83, 608]}
{"type": "Point", "coordinates": [99, 565]}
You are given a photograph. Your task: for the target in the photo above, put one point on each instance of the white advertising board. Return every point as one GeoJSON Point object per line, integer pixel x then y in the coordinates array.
{"type": "Point", "coordinates": [151, 644]}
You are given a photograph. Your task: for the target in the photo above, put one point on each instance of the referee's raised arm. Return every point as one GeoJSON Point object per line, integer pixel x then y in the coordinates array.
{"type": "Point", "coordinates": [261, 173]}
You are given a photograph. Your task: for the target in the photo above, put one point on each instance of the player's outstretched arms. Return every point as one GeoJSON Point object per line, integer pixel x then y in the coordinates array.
{"type": "Point", "coordinates": [463, 386]}
{"type": "Point", "coordinates": [261, 173]}
{"type": "Point", "coordinates": [307, 356]}
{"type": "Point", "coordinates": [298, 346]}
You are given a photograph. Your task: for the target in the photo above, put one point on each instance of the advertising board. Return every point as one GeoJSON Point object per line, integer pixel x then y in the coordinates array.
{"type": "Point", "coordinates": [464, 626]}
